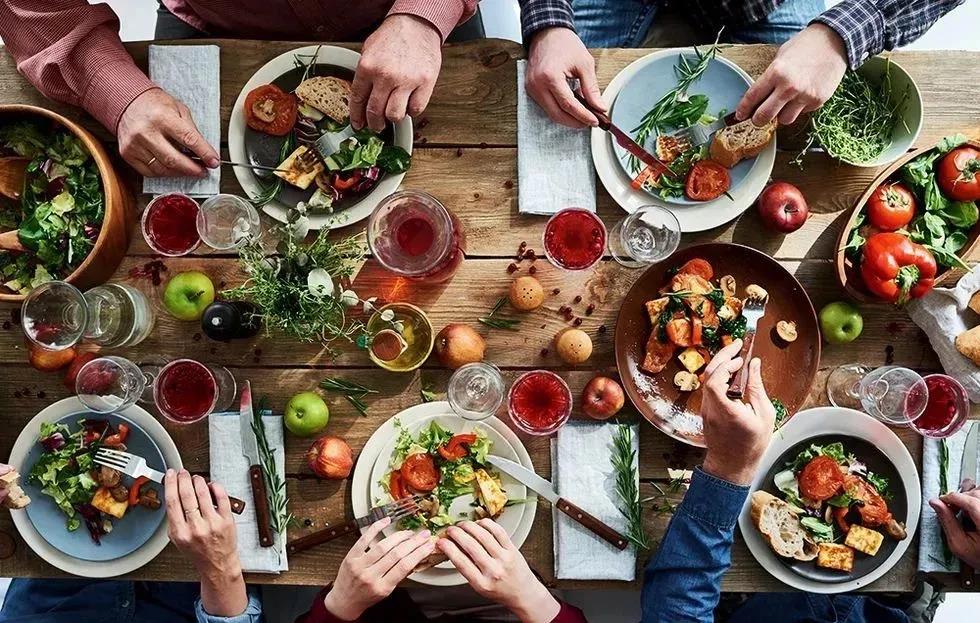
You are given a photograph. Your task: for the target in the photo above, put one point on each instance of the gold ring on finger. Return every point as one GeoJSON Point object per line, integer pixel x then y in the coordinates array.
{"type": "Point", "coordinates": [191, 510]}
{"type": "Point", "coordinates": [150, 162]}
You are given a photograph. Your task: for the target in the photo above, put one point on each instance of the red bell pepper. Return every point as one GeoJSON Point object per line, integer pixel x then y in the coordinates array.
{"type": "Point", "coordinates": [134, 491]}
{"type": "Point", "coordinates": [118, 438]}
{"type": "Point", "coordinates": [896, 269]}
{"type": "Point", "coordinates": [457, 447]}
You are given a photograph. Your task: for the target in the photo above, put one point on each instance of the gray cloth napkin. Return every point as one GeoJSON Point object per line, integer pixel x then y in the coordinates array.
{"type": "Point", "coordinates": [230, 468]}
{"type": "Point", "coordinates": [943, 314]}
{"type": "Point", "coordinates": [554, 163]}
{"type": "Point", "coordinates": [931, 556]}
{"type": "Point", "coordinates": [582, 471]}
{"type": "Point", "coordinates": [190, 73]}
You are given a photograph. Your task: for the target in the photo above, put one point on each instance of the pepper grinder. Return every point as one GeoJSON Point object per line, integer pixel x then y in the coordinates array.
{"type": "Point", "coordinates": [230, 320]}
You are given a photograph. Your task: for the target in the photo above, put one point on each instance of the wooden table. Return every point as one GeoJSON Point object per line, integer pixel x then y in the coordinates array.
{"type": "Point", "coordinates": [466, 156]}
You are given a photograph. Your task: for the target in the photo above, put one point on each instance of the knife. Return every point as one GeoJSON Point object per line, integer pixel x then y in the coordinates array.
{"type": "Point", "coordinates": [968, 471]}
{"type": "Point", "coordinates": [250, 449]}
{"type": "Point", "coordinates": [545, 489]}
{"type": "Point", "coordinates": [398, 509]}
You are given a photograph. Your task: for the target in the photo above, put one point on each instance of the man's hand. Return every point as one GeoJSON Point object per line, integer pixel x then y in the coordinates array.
{"type": "Point", "coordinates": [964, 545]}
{"type": "Point", "coordinates": [804, 74]}
{"type": "Point", "coordinates": [735, 432]}
{"type": "Point", "coordinates": [153, 128]}
{"type": "Point", "coordinates": [399, 65]}
{"type": "Point", "coordinates": [556, 55]}
{"type": "Point", "coordinates": [373, 569]}
{"type": "Point", "coordinates": [484, 555]}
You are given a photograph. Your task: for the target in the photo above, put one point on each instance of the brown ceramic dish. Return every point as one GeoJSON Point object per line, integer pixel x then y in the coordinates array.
{"type": "Point", "coordinates": [848, 274]}
{"type": "Point", "coordinates": [788, 370]}
{"type": "Point", "coordinates": [117, 224]}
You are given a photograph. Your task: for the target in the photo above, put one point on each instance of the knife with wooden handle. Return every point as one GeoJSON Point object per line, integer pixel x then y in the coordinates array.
{"type": "Point", "coordinates": [256, 478]}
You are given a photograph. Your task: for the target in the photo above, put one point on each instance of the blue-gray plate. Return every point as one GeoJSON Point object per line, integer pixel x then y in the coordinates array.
{"type": "Point", "coordinates": [128, 534]}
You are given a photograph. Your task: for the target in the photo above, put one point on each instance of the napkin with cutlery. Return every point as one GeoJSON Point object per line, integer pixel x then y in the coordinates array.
{"type": "Point", "coordinates": [190, 73]}
{"type": "Point", "coordinates": [582, 470]}
{"type": "Point", "coordinates": [554, 163]}
{"type": "Point", "coordinates": [230, 468]}
{"type": "Point", "coordinates": [931, 551]}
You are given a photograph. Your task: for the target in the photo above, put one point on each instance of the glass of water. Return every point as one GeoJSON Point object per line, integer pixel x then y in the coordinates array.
{"type": "Point", "coordinates": [648, 235]}
{"type": "Point", "coordinates": [227, 222]}
{"type": "Point", "coordinates": [112, 384]}
{"type": "Point", "coordinates": [476, 391]}
{"type": "Point", "coordinates": [892, 394]}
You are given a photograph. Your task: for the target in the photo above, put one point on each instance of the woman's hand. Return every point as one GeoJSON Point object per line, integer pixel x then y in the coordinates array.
{"type": "Point", "coordinates": [484, 554]}
{"type": "Point", "coordinates": [557, 54]}
{"type": "Point", "coordinates": [206, 536]}
{"type": "Point", "coordinates": [374, 568]}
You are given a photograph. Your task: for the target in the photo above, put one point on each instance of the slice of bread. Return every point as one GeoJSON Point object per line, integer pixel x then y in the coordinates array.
{"type": "Point", "coordinates": [968, 343]}
{"type": "Point", "coordinates": [16, 498]}
{"type": "Point", "coordinates": [735, 143]}
{"type": "Point", "coordinates": [780, 527]}
{"type": "Point", "coordinates": [328, 94]}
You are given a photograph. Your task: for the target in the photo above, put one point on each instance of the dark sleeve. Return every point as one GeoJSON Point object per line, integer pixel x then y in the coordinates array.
{"type": "Point", "coordinates": [540, 14]}
{"type": "Point", "coordinates": [318, 612]}
{"type": "Point", "coordinates": [569, 614]}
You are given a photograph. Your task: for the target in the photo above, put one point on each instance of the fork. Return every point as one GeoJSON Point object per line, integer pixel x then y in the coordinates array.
{"type": "Point", "coordinates": [135, 466]}
{"type": "Point", "coordinates": [753, 310]}
{"type": "Point", "coordinates": [397, 510]}
{"type": "Point", "coordinates": [700, 133]}
{"type": "Point", "coordinates": [325, 146]}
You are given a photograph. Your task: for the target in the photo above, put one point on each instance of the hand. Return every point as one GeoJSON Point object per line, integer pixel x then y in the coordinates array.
{"type": "Point", "coordinates": [556, 55]}
{"type": "Point", "coordinates": [151, 132]}
{"type": "Point", "coordinates": [206, 536]}
{"type": "Point", "coordinates": [736, 433]}
{"type": "Point", "coordinates": [964, 545]}
{"type": "Point", "coordinates": [484, 555]}
{"type": "Point", "coordinates": [399, 65]}
{"type": "Point", "coordinates": [804, 74]}
{"type": "Point", "coordinates": [374, 568]}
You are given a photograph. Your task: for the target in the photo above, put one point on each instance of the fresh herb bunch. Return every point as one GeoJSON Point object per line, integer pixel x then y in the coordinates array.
{"type": "Point", "coordinates": [353, 392]}
{"type": "Point", "coordinates": [943, 490]}
{"type": "Point", "coordinates": [627, 485]}
{"type": "Point", "coordinates": [275, 485]}
{"type": "Point", "coordinates": [496, 322]}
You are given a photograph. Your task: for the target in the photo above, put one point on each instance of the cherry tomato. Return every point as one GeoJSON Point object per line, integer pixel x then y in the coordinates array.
{"type": "Point", "coordinates": [342, 184]}
{"type": "Point", "coordinates": [707, 180]}
{"type": "Point", "coordinates": [821, 479]}
{"type": "Point", "coordinates": [270, 110]}
{"type": "Point", "coordinates": [457, 447]}
{"type": "Point", "coordinates": [679, 332]}
{"type": "Point", "coordinates": [118, 438]}
{"type": "Point", "coordinates": [396, 485]}
{"type": "Point", "coordinates": [892, 206]}
{"type": "Point", "coordinates": [959, 174]}
{"type": "Point", "coordinates": [698, 266]}
{"type": "Point", "coordinates": [419, 472]}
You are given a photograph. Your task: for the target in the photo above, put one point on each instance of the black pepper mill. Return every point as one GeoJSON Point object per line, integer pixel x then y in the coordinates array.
{"type": "Point", "coordinates": [230, 320]}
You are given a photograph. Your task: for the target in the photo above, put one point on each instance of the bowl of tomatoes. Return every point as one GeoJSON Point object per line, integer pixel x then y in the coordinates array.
{"type": "Point", "coordinates": [913, 226]}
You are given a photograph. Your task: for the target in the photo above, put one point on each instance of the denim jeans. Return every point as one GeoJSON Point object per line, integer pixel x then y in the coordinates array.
{"type": "Point", "coordinates": [624, 23]}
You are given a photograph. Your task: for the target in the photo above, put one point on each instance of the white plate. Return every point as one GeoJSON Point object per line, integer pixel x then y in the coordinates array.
{"type": "Point", "coordinates": [328, 55]}
{"type": "Point", "coordinates": [361, 480]}
{"type": "Point", "coordinates": [693, 218]}
{"type": "Point", "coordinates": [69, 564]}
{"type": "Point", "coordinates": [822, 421]}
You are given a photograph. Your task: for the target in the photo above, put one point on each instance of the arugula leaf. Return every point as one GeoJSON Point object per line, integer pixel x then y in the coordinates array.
{"type": "Point", "coordinates": [840, 501]}
{"type": "Point", "coordinates": [880, 483]}
{"type": "Point", "coordinates": [819, 531]}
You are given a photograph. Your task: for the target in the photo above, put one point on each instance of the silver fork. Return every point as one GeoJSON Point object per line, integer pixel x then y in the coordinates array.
{"type": "Point", "coordinates": [397, 510]}
{"type": "Point", "coordinates": [753, 310]}
{"type": "Point", "coordinates": [700, 133]}
{"type": "Point", "coordinates": [327, 145]}
{"type": "Point", "coordinates": [135, 466]}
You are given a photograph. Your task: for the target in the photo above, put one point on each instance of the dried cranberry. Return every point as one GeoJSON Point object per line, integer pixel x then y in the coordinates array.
{"type": "Point", "coordinates": [556, 291]}
{"type": "Point", "coordinates": [532, 270]}
{"type": "Point", "coordinates": [512, 268]}
{"type": "Point", "coordinates": [602, 328]}
{"type": "Point", "coordinates": [508, 184]}
{"type": "Point", "coordinates": [459, 152]}
{"type": "Point", "coordinates": [544, 352]}
{"type": "Point", "coordinates": [530, 255]}
{"type": "Point", "coordinates": [589, 309]}
{"type": "Point", "coordinates": [577, 299]}
{"type": "Point", "coordinates": [578, 321]}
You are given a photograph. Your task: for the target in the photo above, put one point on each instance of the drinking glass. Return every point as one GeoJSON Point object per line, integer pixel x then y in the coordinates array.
{"type": "Point", "coordinates": [648, 235]}
{"type": "Point", "coordinates": [169, 224]}
{"type": "Point", "coordinates": [574, 239]}
{"type": "Point", "coordinates": [539, 402]}
{"type": "Point", "coordinates": [111, 384]}
{"type": "Point", "coordinates": [186, 391]}
{"type": "Point", "coordinates": [948, 409]}
{"type": "Point", "coordinates": [476, 391]}
{"type": "Point", "coordinates": [892, 394]}
{"type": "Point", "coordinates": [227, 222]}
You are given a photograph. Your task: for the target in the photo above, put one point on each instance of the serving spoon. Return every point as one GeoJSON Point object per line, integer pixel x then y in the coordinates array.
{"type": "Point", "coordinates": [13, 172]}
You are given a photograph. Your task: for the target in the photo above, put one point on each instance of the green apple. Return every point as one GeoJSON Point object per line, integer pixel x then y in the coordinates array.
{"type": "Point", "coordinates": [840, 322]}
{"type": "Point", "coordinates": [306, 414]}
{"type": "Point", "coordinates": [188, 294]}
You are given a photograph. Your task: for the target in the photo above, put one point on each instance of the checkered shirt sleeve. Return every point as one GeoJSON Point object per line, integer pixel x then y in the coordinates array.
{"type": "Point", "coordinates": [539, 14]}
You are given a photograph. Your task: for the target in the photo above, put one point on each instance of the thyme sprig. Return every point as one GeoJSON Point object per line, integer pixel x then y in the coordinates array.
{"type": "Point", "coordinates": [353, 392]}
{"type": "Point", "coordinates": [496, 322]}
{"type": "Point", "coordinates": [627, 485]}
{"type": "Point", "coordinates": [275, 485]}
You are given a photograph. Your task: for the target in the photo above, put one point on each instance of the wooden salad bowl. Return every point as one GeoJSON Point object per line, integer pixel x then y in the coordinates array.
{"type": "Point", "coordinates": [120, 216]}
{"type": "Point", "coordinates": [848, 274]}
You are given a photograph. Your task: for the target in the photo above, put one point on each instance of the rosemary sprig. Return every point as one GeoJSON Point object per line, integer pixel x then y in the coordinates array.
{"type": "Point", "coordinates": [495, 322]}
{"type": "Point", "coordinates": [353, 392]}
{"type": "Point", "coordinates": [943, 490]}
{"type": "Point", "coordinates": [627, 487]}
{"type": "Point", "coordinates": [275, 485]}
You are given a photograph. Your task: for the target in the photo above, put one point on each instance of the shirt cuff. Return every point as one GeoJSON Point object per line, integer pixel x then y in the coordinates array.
{"type": "Point", "coordinates": [318, 612]}
{"type": "Point", "coordinates": [252, 614]}
{"type": "Point", "coordinates": [111, 90]}
{"type": "Point", "coordinates": [568, 614]}
{"type": "Point", "coordinates": [445, 15]}
{"type": "Point", "coordinates": [537, 15]}
{"type": "Point", "coordinates": [713, 501]}
{"type": "Point", "coordinates": [860, 24]}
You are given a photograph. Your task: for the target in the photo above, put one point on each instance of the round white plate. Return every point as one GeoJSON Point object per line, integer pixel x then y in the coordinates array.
{"type": "Point", "coordinates": [361, 501]}
{"type": "Point", "coordinates": [69, 564]}
{"type": "Point", "coordinates": [693, 218]}
{"type": "Point", "coordinates": [819, 422]}
{"type": "Point", "coordinates": [328, 55]}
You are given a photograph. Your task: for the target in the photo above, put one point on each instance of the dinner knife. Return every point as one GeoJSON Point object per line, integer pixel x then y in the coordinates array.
{"type": "Point", "coordinates": [968, 471]}
{"type": "Point", "coordinates": [250, 449]}
{"type": "Point", "coordinates": [545, 489]}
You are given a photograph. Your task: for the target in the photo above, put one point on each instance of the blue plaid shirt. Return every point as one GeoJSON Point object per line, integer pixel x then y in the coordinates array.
{"type": "Point", "coordinates": [866, 26]}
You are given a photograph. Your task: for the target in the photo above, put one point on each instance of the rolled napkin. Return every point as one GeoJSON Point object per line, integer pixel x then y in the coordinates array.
{"type": "Point", "coordinates": [582, 470]}
{"type": "Point", "coordinates": [554, 163]}
{"type": "Point", "coordinates": [931, 552]}
{"type": "Point", "coordinates": [230, 468]}
{"type": "Point", "coordinates": [192, 74]}
{"type": "Point", "coordinates": [943, 314]}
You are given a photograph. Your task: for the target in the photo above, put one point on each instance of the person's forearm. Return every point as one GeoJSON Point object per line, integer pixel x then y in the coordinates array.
{"type": "Point", "coordinates": [223, 593]}
{"type": "Point", "coordinates": [444, 15]}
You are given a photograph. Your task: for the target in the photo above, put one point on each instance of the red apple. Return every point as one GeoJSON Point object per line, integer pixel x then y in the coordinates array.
{"type": "Point", "coordinates": [602, 398]}
{"type": "Point", "coordinates": [330, 457]}
{"type": "Point", "coordinates": [783, 207]}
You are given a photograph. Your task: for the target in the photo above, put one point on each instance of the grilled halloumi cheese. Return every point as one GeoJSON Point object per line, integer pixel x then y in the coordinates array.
{"type": "Point", "coordinates": [669, 148]}
{"type": "Point", "coordinates": [104, 501]}
{"type": "Point", "coordinates": [300, 172]}
{"type": "Point", "coordinates": [835, 556]}
{"type": "Point", "coordinates": [493, 497]}
{"type": "Point", "coordinates": [864, 540]}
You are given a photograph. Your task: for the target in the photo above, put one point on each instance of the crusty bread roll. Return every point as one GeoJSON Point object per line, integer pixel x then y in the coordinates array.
{"type": "Point", "coordinates": [735, 143]}
{"type": "Point", "coordinates": [16, 498]}
{"type": "Point", "coordinates": [968, 343]}
{"type": "Point", "coordinates": [780, 527]}
{"type": "Point", "coordinates": [329, 95]}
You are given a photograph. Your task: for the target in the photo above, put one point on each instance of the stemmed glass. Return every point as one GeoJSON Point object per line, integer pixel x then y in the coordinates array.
{"type": "Point", "coordinates": [112, 384]}
{"type": "Point", "coordinates": [476, 391]}
{"type": "Point", "coordinates": [648, 235]}
{"type": "Point", "coordinates": [227, 222]}
{"type": "Point", "coordinates": [892, 394]}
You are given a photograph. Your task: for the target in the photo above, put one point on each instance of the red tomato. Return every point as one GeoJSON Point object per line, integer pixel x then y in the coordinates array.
{"type": "Point", "coordinates": [840, 516]}
{"type": "Point", "coordinates": [959, 174]}
{"type": "Point", "coordinates": [457, 447]}
{"type": "Point", "coordinates": [707, 180]}
{"type": "Point", "coordinates": [821, 479]}
{"type": "Point", "coordinates": [270, 110]}
{"type": "Point", "coordinates": [419, 472]}
{"type": "Point", "coordinates": [396, 485]}
{"type": "Point", "coordinates": [679, 332]}
{"type": "Point", "coordinates": [696, 329]}
{"type": "Point", "coordinates": [118, 438]}
{"type": "Point", "coordinates": [698, 266]}
{"type": "Point", "coordinates": [874, 510]}
{"type": "Point", "coordinates": [342, 183]}
{"type": "Point", "coordinates": [892, 206]}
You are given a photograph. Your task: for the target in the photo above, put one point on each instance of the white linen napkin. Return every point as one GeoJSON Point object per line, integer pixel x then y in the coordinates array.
{"type": "Point", "coordinates": [190, 73]}
{"type": "Point", "coordinates": [554, 163]}
{"type": "Point", "coordinates": [930, 533]}
{"type": "Point", "coordinates": [230, 468]}
{"type": "Point", "coordinates": [582, 470]}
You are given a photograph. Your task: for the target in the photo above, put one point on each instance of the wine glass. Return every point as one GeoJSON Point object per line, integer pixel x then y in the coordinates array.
{"type": "Point", "coordinates": [186, 391]}
{"type": "Point", "coordinates": [227, 222]}
{"type": "Point", "coordinates": [476, 391]}
{"type": "Point", "coordinates": [648, 235]}
{"type": "Point", "coordinates": [111, 384]}
{"type": "Point", "coordinates": [892, 394]}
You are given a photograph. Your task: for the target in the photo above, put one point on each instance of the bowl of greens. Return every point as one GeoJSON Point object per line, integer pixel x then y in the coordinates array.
{"type": "Point", "coordinates": [72, 214]}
